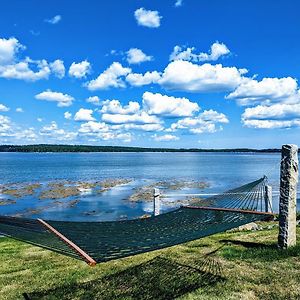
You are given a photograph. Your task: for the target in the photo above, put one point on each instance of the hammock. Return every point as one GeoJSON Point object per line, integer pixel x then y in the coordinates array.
{"type": "Point", "coordinates": [97, 242]}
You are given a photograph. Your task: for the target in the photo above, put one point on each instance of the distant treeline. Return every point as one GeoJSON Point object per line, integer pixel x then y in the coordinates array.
{"type": "Point", "coordinates": [87, 148]}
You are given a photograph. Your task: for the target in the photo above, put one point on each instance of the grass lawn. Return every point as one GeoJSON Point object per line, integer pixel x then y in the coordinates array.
{"type": "Point", "coordinates": [232, 265]}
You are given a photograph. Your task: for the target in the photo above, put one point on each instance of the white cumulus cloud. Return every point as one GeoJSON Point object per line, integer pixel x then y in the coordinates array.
{"type": "Point", "coordinates": [47, 129]}
{"type": "Point", "coordinates": [147, 18]}
{"type": "Point", "coordinates": [206, 121]}
{"type": "Point", "coordinates": [80, 70]}
{"type": "Point", "coordinates": [62, 100]}
{"type": "Point", "coordinates": [103, 131]}
{"type": "Point", "coordinates": [22, 70]}
{"type": "Point", "coordinates": [93, 127]}
{"type": "Point", "coordinates": [27, 134]}
{"type": "Point", "coordinates": [5, 125]}
{"type": "Point", "coordinates": [277, 102]}
{"type": "Point", "coordinates": [10, 132]}
{"type": "Point", "coordinates": [137, 79]}
{"type": "Point", "coordinates": [138, 118]}
{"type": "Point", "coordinates": [111, 77]}
{"type": "Point", "coordinates": [57, 134]}
{"type": "Point", "coordinates": [186, 76]}
{"type": "Point", "coordinates": [58, 68]}
{"type": "Point", "coordinates": [94, 100]}
{"type": "Point", "coordinates": [137, 56]}
{"type": "Point", "coordinates": [276, 111]}
{"type": "Point", "coordinates": [165, 138]}
{"type": "Point", "coordinates": [280, 115]}
{"type": "Point", "coordinates": [115, 107]}
{"type": "Point", "coordinates": [11, 67]}
{"type": "Point", "coordinates": [271, 124]}
{"type": "Point", "coordinates": [143, 127]}
{"type": "Point", "coordinates": [8, 50]}
{"type": "Point", "coordinates": [3, 108]}
{"type": "Point", "coordinates": [181, 53]}
{"type": "Point", "coordinates": [267, 91]}
{"type": "Point", "coordinates": [84, 115]}
{"type": "Point", "coordinates": [217, 50]}
{"type": "Point", "coordinates": [125, 137]}
{"type": "Point", "coordinates": [158, 104]}
{"type": "Point", "coordinates": [19, 110]}
{"type": "Point", "coordinates": [68, 115]}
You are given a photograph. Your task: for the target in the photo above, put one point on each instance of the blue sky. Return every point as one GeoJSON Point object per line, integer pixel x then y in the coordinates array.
{"type": "Point", "coordinates": [208, 74]}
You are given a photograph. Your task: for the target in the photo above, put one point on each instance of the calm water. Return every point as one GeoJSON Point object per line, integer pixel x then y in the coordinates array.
{"type": "Point", "coordinates": [220, 170]}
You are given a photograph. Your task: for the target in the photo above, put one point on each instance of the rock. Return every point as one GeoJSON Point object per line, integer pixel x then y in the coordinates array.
{"type": "Point", "coordinates": [145, 216]}
{"type": "Point", "coordinates": [122, 217]}
{"type": "Point", "coordinates": [89, 213]}
{"type": "Point", "coordinates": [249, 226]}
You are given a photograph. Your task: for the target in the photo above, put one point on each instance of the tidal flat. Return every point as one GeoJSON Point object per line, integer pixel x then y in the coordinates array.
{"type": "Point", "coordinates": [114, 186]}
{"type": "Point", "coordinates": [20, 190]}
{"type": "Point", "coordinates": [145, 193]}
{"type": "Point", "coordinates": [108, 199]}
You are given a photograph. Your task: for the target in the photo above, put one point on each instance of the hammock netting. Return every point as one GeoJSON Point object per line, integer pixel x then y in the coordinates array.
{"type": "Point", "coordinates": [104, 241]}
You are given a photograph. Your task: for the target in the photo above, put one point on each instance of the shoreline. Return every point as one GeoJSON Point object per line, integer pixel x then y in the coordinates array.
{"type": "Point", "coordinates": [49, 148]}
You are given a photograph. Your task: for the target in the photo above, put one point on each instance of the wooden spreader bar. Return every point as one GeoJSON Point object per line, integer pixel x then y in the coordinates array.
{"type": "Point", "coordinates": [73, 246]}
{"type": "Point", "coordinates": [231, 210]}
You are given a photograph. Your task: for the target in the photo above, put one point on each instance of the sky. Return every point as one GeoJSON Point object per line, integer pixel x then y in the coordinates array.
{"type": "Point", "coordinates": [173, 73]}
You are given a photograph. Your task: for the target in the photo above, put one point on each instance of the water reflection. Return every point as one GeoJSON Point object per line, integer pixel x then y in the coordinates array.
{"type": "Point", "coordinates": [220, 170]}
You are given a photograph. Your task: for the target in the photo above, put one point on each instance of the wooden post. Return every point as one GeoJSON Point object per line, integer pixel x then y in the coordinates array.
{"type": "Point", "coordinates": [268, 198]}
{"type": "Point", "coordinates": [288, 196]}
{"type": "Point", "coordinates": [156, 202]}
{"type": "Point", "coordinates": [88, 259]}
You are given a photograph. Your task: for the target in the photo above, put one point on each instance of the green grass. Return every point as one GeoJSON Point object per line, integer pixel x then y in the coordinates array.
{"type": "Point", "coordinates": [232, 265]}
